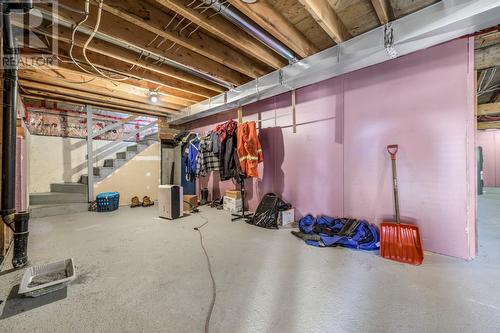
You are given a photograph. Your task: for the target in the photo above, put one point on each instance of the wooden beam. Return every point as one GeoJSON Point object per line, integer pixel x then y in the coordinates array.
{"type": "Point", "coordinates": [487, 57]}
{"type": "Point", "coordinates": [121, 30]}
{"type": "Point", "coordinates": [155, 20]}
{"type": "Point", "coordinates": [67, 70]}
{"type": "Point", "coordinates": [226, 31]}
{"type": "Point", "coordinates": [488, 125]}
{"type": "Point", "coordinates": [384, 10]}
{"type": "Point", "coordinates": [42, 78]}
{"type": "Point", "coordinates": [327, 18]}
{"type": "Point", "coordinates": [124, 69]}
{"type": "Point", "coordinates": [173, 77]}
{"type": "Point", "coordinates": [44, 87]}
{"type": "Point", "coordinates": [487, 39]}
{"type": "Point", "coordinates": [488, 109]}
{"type": "Point", "coordinates": [266, 16]}
{"type": "Point", "coordinates": [56, 76]}
{"type": "Point", "coordinates": [44, 96]}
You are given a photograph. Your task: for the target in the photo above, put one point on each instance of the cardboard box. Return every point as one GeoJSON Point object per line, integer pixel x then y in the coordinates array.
{"type": "Point", "coordinates": [235, 194]}
{"type": "Point", "coordinates": [232, 205]}
{"type": "Point", "coordinates": [286, 218]}
{"type": "Point", "coordinates": [190, 202]}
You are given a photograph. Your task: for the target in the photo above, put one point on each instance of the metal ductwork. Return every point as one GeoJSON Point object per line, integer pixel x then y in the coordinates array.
{"type": "Point", "coordinates": [438, 23]}
{"type": "Point", "coordinates": [252, 29]}
{"type": "Point", "coordinates": [18, 222]}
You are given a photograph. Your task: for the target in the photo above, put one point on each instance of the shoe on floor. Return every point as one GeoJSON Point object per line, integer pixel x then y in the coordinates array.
{"type": "Point", "coordinates": [135, 202]}
{"type": "Point", "coordinates": [146, 202]}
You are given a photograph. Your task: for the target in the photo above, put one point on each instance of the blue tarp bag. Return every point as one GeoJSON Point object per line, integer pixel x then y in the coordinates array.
{"type": "Point", "coordinates": [350, 233]}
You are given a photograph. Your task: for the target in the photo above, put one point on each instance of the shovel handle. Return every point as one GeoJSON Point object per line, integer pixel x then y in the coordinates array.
{"type": "Point", "coordinates": [392, 150]}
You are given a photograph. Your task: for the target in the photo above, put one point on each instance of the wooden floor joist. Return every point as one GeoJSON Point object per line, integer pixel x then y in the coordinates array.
{"type": "Point", "coordinates": [122, 30]}
{"type": "Point", "coordinates": [488, 109]}
{"type": "Point", "coordinates": [199, 42]}
{"type": "Point", "coordinates": [328, 19]}
{"type": "Point", "coordinates": [223, 29]}
{"type": "Point", "coordinates": [58, 76]}
{"type": "Point", "coordinates": [266, 16]}
{"type": "Point", "coordinates": [84, 95]}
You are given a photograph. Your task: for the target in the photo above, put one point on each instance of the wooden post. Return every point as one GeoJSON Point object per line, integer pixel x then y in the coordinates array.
{"type": "Point", "coordinates": [240, 115]}
{"type": "Point", "coordinates": [294, 118]}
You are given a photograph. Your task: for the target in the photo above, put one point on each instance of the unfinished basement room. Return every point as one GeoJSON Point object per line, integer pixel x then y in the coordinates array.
{"type": "Point", "coordinates": [241, 166]}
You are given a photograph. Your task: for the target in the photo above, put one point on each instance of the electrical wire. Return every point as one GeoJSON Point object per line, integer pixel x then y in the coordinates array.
{"type": "Point", "coordinates": [209, 265]}
{"type": "Point", "coordinates": [73, 33]}
{"type": "Point", "coordinates": [94, 32]}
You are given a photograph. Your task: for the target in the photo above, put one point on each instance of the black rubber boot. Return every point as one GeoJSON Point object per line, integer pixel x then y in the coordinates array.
{"type": "Point", "coordinates": [20, 258]}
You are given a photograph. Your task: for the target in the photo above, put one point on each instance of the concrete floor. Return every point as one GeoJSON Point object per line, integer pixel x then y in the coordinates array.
{"type": "Point", "coordinates": [137, 273]}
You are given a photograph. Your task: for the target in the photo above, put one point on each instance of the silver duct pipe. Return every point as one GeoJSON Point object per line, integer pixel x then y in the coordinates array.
{"type": "Point", "coordinates": [252, 29]}
{"type": "Point", "coordinates": [436, 24]}
{"type": "Point", "coordinates": [145, 53]}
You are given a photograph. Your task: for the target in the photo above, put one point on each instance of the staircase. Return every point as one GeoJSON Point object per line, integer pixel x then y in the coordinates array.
{"type": "Point", "coordinates": [63, 198]}
{"type": "Point", "coordinates": [68, 198]}
{"type": "Point", "coordinates": [111, 164]}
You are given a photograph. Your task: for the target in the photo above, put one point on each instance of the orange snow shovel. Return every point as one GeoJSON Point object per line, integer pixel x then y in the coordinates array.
{"type": "Point", "coordinates": [399, 241]}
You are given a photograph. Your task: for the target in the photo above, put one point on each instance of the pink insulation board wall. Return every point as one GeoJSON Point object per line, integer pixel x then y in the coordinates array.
{"type": "Point", "coordinates": [336, 163]}
{"type": "Point", "coordinates": [490, 141]}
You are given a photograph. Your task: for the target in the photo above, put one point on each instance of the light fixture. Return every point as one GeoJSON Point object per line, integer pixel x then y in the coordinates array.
{"type": "Point", "coordinates": [153, 96]}
{"type": "Point", "coordinates": [249, 1]}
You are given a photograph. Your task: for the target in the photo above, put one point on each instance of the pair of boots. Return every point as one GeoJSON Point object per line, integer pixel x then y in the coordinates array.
{"type": "Point", "coordinates": [146, 202]}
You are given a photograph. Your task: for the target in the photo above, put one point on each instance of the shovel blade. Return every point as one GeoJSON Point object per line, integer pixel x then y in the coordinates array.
{"type": "Point", "coordinates": [401, 242]}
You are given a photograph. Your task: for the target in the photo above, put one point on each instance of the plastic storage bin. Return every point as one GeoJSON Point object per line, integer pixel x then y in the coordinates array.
{"type": "Point", "coordinates": [108, 201]}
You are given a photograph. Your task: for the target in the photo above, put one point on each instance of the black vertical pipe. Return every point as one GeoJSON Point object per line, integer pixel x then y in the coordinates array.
{"type": "Point", "coordinates": [10, 55]}
{"type": "Point", "coordinates": [17, 222]}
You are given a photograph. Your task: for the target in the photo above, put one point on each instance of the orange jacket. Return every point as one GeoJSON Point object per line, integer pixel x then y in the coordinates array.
{"type": "Point", "coordinates": [249, 149]}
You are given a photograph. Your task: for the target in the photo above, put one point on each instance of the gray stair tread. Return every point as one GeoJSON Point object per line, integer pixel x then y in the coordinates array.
{"type": "Point", "coordinates": [45, 210]}
{"type": "Point", "coordinates": [55, 194]}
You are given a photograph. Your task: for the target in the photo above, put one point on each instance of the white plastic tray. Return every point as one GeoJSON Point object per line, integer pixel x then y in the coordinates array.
{"type": "Point", "coordinates": [42, 279]}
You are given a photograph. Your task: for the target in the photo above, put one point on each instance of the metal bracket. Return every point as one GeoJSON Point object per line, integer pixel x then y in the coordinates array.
{"type": "Point", "coordinates": [389, 41]}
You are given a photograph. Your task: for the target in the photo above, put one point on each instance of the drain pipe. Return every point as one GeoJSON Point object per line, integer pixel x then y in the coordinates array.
{"type": "Point", "coordinates": [253, 30]}
{"type": "Point", "coordinates": [18, 222]}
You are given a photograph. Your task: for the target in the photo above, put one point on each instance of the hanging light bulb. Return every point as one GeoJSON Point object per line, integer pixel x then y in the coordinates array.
{"type": "Point", "coordinates": [153, 96]}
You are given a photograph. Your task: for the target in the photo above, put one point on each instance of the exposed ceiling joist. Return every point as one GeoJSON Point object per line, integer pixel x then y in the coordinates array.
{"type": "Point", "coordinates": [58, 74]}
{"type": "Point", "coordinates": [488, 125]}
{"type": "Point", "coordinates": [327, 18]}
{"type": "Point", "coordinates": [43, 96]}
{"type": "Point", "coordinates": [43, 78]}
{"type": "Point", "coordinates": [488, 109]}
{"type": "Point", "coordinates": [119, 29]}
{"type": "Point", "coordinates": [170, 77]}
{"type": "Point", "coordinates": [95, 96]}
{"type": "Point", "coordinates": [487, 39]}
{"type": "Point", "coordinates": [266, 16]}
{"type": "Point", "coordinates": [124, 69]}
{"type": "Point", "coordinates": [226, 31]}
{"type": "Point", "coordinates": [198, 42]}
{"type": "Point", "coordinates": [487, 57]}
{"type": "Point", "coordinates": [384, 10]}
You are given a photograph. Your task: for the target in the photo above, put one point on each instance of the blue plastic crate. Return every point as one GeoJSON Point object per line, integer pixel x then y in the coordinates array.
{"type": "Point", "coordinates": [108, 201]}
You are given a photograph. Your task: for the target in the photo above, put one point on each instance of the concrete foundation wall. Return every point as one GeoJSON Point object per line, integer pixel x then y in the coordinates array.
{"type": "Point", "coordinates": [55, 159]}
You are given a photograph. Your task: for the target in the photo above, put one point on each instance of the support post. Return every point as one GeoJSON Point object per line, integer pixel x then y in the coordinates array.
{"type": "Point", "coordinates": [240, 115]}
{"type": "Point", "coordinates": [294, 118]}
{"type": "Point", "coordinates": [90, 155]}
